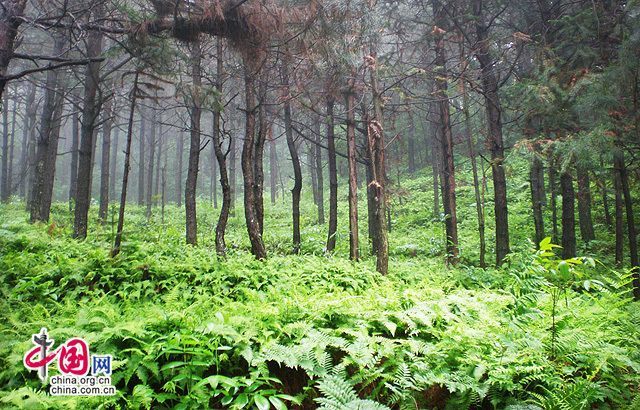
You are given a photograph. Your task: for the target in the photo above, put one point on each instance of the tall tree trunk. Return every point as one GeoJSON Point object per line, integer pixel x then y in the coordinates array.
{"type": "Point", "coordinates": [619, 217]}
{"type": "Point", "coordinates": [28, 127]}
{"type": "Point", "coordinates": [12, 146]}
{"type": "Point", "coordinates": [248, 159]}
{"type": "Point", "coordinates": [354, 252]}
{"type": "Point", "coordinates": [536, 180]}
{"type": "Point", "coordinates": [75, 146]}
{"type": "Point", "coordinates": [474, 165]}
{"type": "Point", "coordinates": [158, 168]}
{"type": "Point", "coordinates": [265, 132]}
{"type": "Point", "coordinates": [411, 145]}
{"type": "Point", "coordinates": [214, 169]}
{"type": "Point", "coordinates": [620, 168]}
{"type": "Point", "coordinates": [295, 159]}
{"type": "Point", "coordinates": [605, 197]}
{"type": "Point", "coordinates": [127, 167]}
{"type": "Point", "coordinates": [319, 175]}
{"type": "Point", "coordinates": [109, 112]}
{"type": "Point", "coordinates": [180, 155]}
{"type": "Point", "coordinates": [232, 175]}
{"type": "Point", "coordinates": [195, 113]}
{"type": "Point", "coordinates": [584, 203]}
{"type": "Point", "coordinates": [90, 113]}
{"type": "Point", "coordinates": [568, 215]}
{"type": "Point", "coordinates": [312, 171]}
{"type": "Point", "coordinates": [448, 168]}
{"type": "Point", "coordinates": [333, 176]}
{"type": "Point", "coordinates": [113, 162]}
{"type": "Point", "coordinates": [4, 183]}
{"type": "Point", "coordinates": [10, 20]}
{"type": "Point", "coordinates": [435, 171]}
{"type": "Point", "coordinates": [141, 155]}
{"type": "Point", "coordinates": [495, 141]}
{"type": "Point", "coordinates": [375, 137]}
{"type": "Point", "coordinates": [47, 144]}
{"type": "Point", "coordinates": [151, 164]}
{"type": "Point", "coordinates": [553, 192]}
{"type": "Point", "coordinates": [273, 170]}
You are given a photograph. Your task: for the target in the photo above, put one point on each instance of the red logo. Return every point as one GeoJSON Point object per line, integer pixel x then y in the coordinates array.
{"type": "Point", "coordinates": [72, 356]}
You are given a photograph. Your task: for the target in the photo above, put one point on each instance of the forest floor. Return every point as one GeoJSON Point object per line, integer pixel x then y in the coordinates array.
{"type": "Point", "coordinates": [189, 330]}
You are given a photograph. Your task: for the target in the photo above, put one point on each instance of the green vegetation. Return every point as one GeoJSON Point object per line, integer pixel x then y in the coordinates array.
{"type": "Point", "coordinates": [189, 330]}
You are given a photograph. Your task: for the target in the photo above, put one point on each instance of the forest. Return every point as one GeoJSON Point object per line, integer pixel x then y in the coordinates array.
{"type": "Point", "coordinates": [332, 204]}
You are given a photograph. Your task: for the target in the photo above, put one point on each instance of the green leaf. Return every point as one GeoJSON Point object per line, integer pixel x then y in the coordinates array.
{"type": "Point", "coordinates": [241, 401]}
{"type": "Point", "coordinates": [277, 403]}
{"type": "Point", "coordinates": [261, 402]}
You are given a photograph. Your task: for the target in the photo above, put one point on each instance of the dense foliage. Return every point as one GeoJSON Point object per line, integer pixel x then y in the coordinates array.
{"type": "Point", "coordinates": [191, 330]}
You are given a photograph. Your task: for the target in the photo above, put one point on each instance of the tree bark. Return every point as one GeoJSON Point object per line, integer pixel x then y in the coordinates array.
{"type": "Point", "coordinates": [27, 130]}
{"type": "Point", "coordinates": [619, 217]}
{"type": "Point", "coordinates": [495, 141]}
{"type": "Point", "coordinates": [180, 155]}
{"type": "Point", "coordinates": [584, 204]}
{"type": "Point", "coordinates": [141, 155]}
{"type": "Point", "coordinates": [375, 136]}
{"type": "Point", "coordinates": [47, 143]}
{"type": "Point", "coordinates": [107, 126]}
{"type": "Point", "coordinates": [295, 159]}
{"type": "Point", "coordinates": [195, 113]}
{"type": "Point", "coordinates": [319, 176]}
{"type": "Point", "coordinates": [75, 146]}
{"type": "Point", "coordinates": [623, 177]}
{"type": "Point", "coordinates": [333, 176]}
{"type": "Point", "coordinates": [10, 20]}
{"type": "Point", "coordinates": [151, 164]}
{"type": "Point", "coordinates": [448, 168]}
{"type": "Point", "coordinates": [553, 193]}
{"type": "Point", "coordinates": [90, 112]}
{"type": "Point", "coordinates": [354, 252]}
{"type": "Point", "coordinates": [536, 182]}
{"type": "Point", "coordinates": [247, 163]}
{"type": "Point", "coordinates": [568, 216]}
{"type": "Point", "coordinates": [113, 162]}
{"type": "Point", "coordinates": [4, 183]}
{"type": "Point", "coordinates": [273, 170]}
{"type": "Point", "coordinates": [127, 167]}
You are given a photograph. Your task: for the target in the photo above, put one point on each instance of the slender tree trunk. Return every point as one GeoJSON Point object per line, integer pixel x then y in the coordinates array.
{"type": "Point", "coordinates": [375, 136]}
{"type": "Point", "coordinates": [435, 171]}
{"type": "Point", "coordinates": [273, 170]}
{"type": "Point", "coordinates": [180, 155]}
{"type": "Point", "coordinates": [27, 130]}
{"type": "Point", "coordinates": [474, 165]}
{"type": "Point", "coordinates": [620, 168]}
{"type": "Point", "coordinates": [448, 168]}
{"type": "Point", "coordinates": [295, 159]}
{"type": "Point", "coordinates": [411, 145]}
{"type": "Point", "coordinates": [568, 216]}
{"type": "Point", "coordinates": [584, 204]}
{"type": "Point", "coordinates": [319, 176]}
{"type": "Point", "coordinates": [47, 142]}
{"type": "Point", "coordinates": [151, 164]}
{"type": "Point", "coordinates": [113, 162]}
{"type": "Point", "coordinates": [127, 167]}
{"type": "Point", "coordinates": [354, 252]}
{"type": "Point", "coordinates": [553, 192]}
{"type": "Point", "coordinates": [248, 159]}
{"type": "Point", "coordinates": [194, 149]}
{"type": "Point", "coordinates": [333, 177]}
{"type": "Point", "coordinates": [10, 21]}
{"type": "Point", "coordinates": [536, 180]}
{"type": "Point", "coordinates": [158, 168]}
{"type": "Point", "coordinates": [312, 171]}
{"type": "Point", "coordinates": [141, 155]}
{"type": "Point", "coordinates": [265, 132]}
{"type": "Point", "coordinates": [495, 141]}
{"type": "Point", "coordinates": [75, 147]}
{"type": "Point", "coordinates": [4, 184]}
{"type": "Point", "coordinates": [107, 126]}
{"type": "Point", "coordinates": [214, 169]}
{"type": "Point", "coordinates": [619, 217]}
{"type": "Point", "coordinates": [605, 198]}
{"type": "Point", "coordinates": [12, 146]}
{"type": "Point", "coordinates": [232, 175]}
{"type": "Point", "coordinates": [90, 112]}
